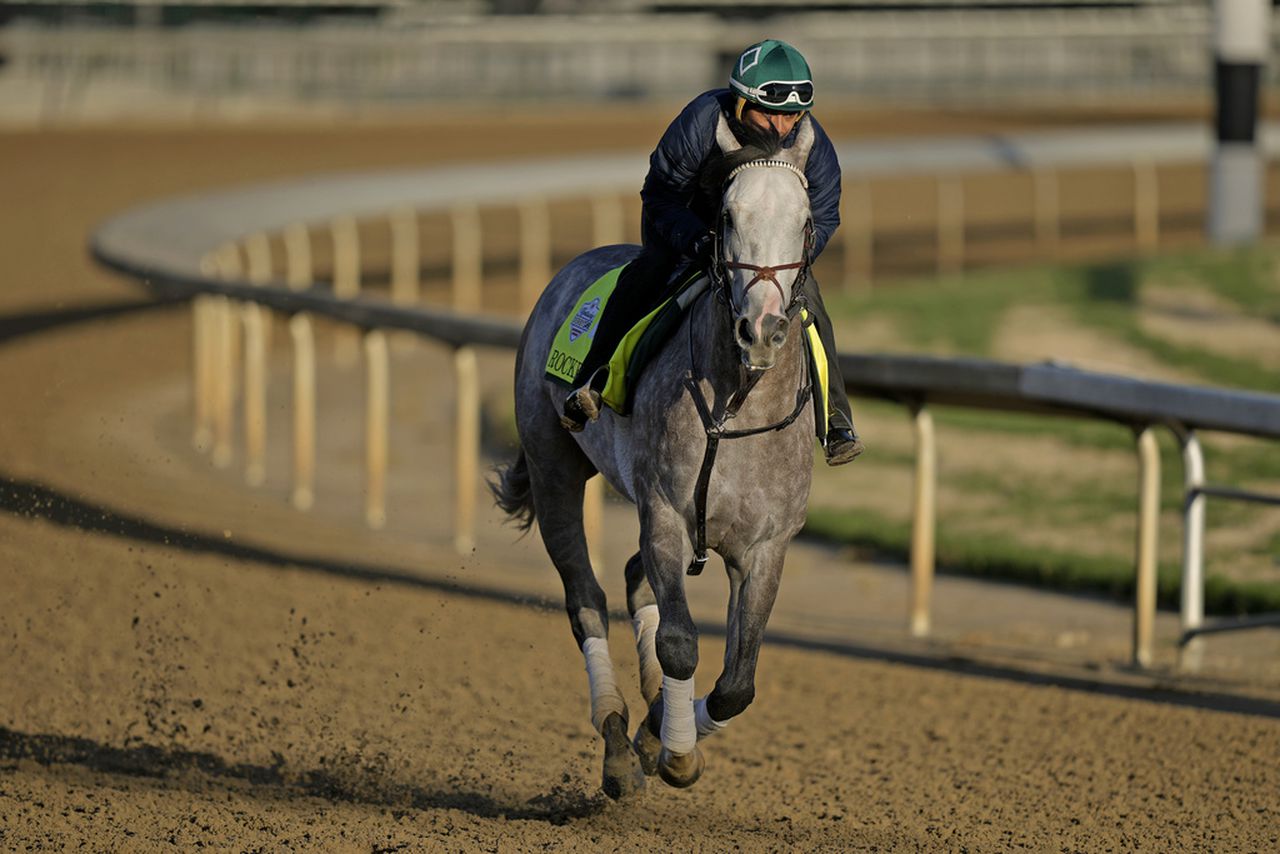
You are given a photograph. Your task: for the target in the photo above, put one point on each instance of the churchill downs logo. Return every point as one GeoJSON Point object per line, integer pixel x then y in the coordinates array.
{"type": "Point", "coordinates": [584, 319]}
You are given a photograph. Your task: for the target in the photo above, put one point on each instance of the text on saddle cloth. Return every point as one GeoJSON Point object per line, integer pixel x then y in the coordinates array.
{"type": "Point", "coordinates": [643, 341]}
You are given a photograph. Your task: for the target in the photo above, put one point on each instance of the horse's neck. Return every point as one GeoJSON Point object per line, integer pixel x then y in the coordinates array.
{"type": "Point", "coordinates": [720, 363]}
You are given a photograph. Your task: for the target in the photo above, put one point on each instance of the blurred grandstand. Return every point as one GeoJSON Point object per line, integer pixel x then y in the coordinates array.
{"type": "Point", "coordinates": [64, 57]}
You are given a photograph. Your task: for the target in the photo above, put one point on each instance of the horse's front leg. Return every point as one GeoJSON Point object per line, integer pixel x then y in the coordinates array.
{"type": "Point", "coordinates": [753, 587]}
{"type": "Point", "coordinates": [666, 552]}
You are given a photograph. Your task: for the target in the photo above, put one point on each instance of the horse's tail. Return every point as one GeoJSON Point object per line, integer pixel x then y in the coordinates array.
{"type": "Point", "coordinates": [513, 492]}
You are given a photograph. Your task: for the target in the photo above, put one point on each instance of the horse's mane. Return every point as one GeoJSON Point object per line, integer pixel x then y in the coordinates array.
{"type": "Point", "coordinates": [757, 144]}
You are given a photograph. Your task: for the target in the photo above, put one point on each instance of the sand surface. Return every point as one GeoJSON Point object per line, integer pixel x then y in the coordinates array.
{"type": "Point", "coordinates": [191, 663]}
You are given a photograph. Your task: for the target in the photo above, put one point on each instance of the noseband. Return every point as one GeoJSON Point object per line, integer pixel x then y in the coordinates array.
{"type": "Point", "coordinates": [720, 266]}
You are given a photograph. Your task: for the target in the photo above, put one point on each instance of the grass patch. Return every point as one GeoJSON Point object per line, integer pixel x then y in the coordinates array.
{"type": "Point", "coordinates": [1004, 559]}
{"type": "Point", "coordinates": [961, 317]}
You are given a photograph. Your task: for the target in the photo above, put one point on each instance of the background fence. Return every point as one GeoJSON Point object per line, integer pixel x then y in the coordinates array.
{"type": "Point", "coordinates": [244, 254]}
{"type": "Point", "coordinates": [927, 55]}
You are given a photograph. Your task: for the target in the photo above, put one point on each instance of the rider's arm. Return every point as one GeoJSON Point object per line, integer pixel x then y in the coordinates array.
{"type": "Point", "coordinates": [673, 175]}
{"type": "Point", "coordinates": [823, 171]}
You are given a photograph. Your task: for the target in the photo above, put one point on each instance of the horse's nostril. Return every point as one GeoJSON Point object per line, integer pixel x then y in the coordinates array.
{"type": "Point", "coordinates": [744, 331]}
{"type": "Point", "coordinates": [780, 332]}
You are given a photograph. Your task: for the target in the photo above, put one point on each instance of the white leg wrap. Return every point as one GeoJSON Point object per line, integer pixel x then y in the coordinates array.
{"type": "Point", "coordinates": [679, 731]}
{"type": "Point", "coordinates": [605, 696]}
{"type": "Point", "coordinates": [645, 623]}
{"type": "Point", "coordinates": [706, 724]}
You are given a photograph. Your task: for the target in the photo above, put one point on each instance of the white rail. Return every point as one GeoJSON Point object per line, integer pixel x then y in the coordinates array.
{"type": "Point", "coordinates": [213, 247]}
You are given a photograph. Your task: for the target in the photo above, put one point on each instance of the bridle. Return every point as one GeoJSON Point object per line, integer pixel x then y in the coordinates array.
{"type": "Point", "coordinates": [721, 266]}
{"type": "Point", "coordinates": [716, 427]}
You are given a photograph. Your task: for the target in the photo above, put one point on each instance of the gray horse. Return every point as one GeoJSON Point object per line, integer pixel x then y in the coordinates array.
{"type": "Point", "coordinates": [731, 343]}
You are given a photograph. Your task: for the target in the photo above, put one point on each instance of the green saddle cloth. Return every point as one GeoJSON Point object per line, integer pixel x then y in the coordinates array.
{"type": "Point", "coordinates": [643, 341]}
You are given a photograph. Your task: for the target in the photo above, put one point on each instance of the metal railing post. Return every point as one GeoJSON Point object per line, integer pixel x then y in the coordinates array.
{"type": "Point", "coordinates": [346, 283]}
{"type": "Point", "coordinates": [923, 522]}
{"type": "Point", "coordinates": [377, 399]}
{"type": "Point", "coordinates": [593, 521]}
{"type": "Point", "coordinates": [466, 448]}
{"type": "Point", "coordinates": [255, 394]}
{"type": "Point", "coordinates": [298, 274]}
{"type": "Point", "coordinates": [1191, 650]}
{"type": "Point", "coordinates": [405, 258]}
{"type": "Point", "coordinates": [1144, 605]}
{"type": "Point", "coordinates": [304, 411]}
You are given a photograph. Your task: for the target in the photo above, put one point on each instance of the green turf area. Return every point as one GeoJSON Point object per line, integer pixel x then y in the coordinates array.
{"type": "Point", "coordinates": [1052, 501]}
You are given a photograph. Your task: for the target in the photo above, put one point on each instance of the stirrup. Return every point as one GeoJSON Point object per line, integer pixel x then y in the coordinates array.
{"type": "Point", "coordinates": [582, 405]}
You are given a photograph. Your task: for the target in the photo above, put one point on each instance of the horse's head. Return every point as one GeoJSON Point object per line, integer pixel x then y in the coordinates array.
{"type": "Point", "coordinates": [764, 238]}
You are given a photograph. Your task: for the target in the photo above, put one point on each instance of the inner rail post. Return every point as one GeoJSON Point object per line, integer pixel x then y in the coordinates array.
{"type": "Point", "coordinates": [468, 258]}
{"type": "Point", "coordinates": [923, 521]}
{"type": "Point", "coordinates": [466, 448]}
{"type": "Point", "coordinates": [377, 396]}
{"type": "Point", "coordinates": [299, 276]}
{"type": "Point", "coordinates": [257, 344]}
{"type": "Point", "coordinates": [1191, 650]}
{"type": "Point", "coordinates": [346, 283]}
{"type": "Point", "coordinates": [225, 348]}
{"type": "Point", "coordinates": [1144, 605]}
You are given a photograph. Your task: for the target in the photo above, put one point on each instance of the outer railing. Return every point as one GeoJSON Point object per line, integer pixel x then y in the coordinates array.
{"type": "Point", "coordinates": [215, 248]}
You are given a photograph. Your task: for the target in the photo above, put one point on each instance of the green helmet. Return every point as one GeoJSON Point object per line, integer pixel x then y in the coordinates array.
{"type": "Point", "coordinates": [774, 75]}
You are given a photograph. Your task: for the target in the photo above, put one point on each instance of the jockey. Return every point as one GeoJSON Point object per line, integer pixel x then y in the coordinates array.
{"type": "Point", "coordinates": [771, 88]}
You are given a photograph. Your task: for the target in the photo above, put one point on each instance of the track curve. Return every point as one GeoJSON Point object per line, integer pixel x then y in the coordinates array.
{"type": "Point", "coordinates": [189, 662]}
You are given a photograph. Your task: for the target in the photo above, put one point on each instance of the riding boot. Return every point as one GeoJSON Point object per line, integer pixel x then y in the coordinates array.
{"type": "Point", "coordinates": [841, 443]}
{"type": "Point", "coordinates": [641, 287]}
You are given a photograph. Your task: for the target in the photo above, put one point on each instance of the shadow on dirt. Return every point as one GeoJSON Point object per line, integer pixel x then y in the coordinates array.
{"type": "Point", "coordinates": [32, 500]}
{"type": "Point", "coordinates": [557, 807]}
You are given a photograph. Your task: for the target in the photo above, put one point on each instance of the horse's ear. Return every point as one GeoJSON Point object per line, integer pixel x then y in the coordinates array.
{"type": "Point", "coordinates": [724, 137]}
{"type": "Point", "coordinates": [799, 153]}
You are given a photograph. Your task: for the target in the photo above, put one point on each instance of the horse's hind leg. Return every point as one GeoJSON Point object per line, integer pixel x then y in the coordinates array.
{"type": "Point", "coordinates": [643, 608]}
{"type": "Point", "coordinates": [558, 506]}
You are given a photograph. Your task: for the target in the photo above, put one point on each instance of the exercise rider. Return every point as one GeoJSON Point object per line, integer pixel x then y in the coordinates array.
{"type": "Point", "coordinates": [771, 88]}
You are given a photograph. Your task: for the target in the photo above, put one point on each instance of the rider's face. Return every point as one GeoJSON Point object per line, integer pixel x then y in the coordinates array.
{"type": "Point", "coordinates": [765, 119]}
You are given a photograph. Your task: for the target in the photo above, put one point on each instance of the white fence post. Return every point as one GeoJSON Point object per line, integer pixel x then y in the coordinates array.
{"type": "Point", "coordinates": [466, 448]}
{"type": "Point", "coordinates": [377, 398]}
{"type": "Point", "coordinates": [346, 283]}
{"type": "Point", "coordinates": [304, 411]}
{"type": "Point", "coordinates": [1148, 524]}
{"type": "Point", "coordinates": [923, 522]}
{"type": "Point", "coordinates": [1192, 650]}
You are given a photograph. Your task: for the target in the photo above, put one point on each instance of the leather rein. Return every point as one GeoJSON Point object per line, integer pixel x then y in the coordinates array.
{"type": "Point", "coordinates": [715, 427]}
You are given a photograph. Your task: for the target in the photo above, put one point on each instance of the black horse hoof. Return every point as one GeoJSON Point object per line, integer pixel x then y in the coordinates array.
{"type": "Point", "coordinates": [681, 771]}
{"type": "Point", "coordinates": [623, 774]}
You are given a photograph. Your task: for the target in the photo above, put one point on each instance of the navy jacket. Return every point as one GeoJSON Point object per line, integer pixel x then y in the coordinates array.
{"type": "Point", "coordinates": [677, 211]}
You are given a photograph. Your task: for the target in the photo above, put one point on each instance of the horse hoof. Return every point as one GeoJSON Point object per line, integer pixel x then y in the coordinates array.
{"type": "Point", "coordinates": [681, 771]}
{"type": "Point", "coordinates": [647, 746]}
{"type": "Point", "coordinates": [623, 775]}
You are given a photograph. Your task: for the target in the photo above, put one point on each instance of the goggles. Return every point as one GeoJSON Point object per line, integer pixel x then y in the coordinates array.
{"type": "Point", "coordinates": [780, 93]}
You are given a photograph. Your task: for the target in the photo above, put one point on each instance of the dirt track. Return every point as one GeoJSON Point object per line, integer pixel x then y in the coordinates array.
{"type": "Point", "coordinates": [188, 662]}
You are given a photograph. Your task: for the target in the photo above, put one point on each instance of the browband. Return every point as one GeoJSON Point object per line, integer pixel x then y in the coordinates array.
{"type": "Point", "coordinates": [750, 164]}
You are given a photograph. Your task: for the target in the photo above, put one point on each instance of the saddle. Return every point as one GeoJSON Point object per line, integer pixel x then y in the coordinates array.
{"type": "Point", "coordinates": [646, 338]}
